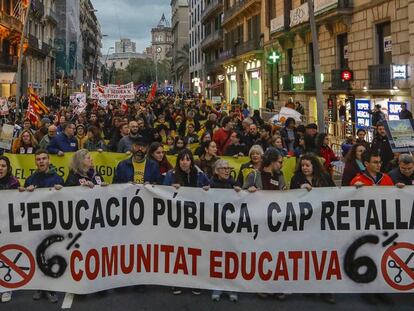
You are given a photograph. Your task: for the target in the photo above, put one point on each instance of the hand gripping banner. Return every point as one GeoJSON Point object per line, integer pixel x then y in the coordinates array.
{"type": "Point", "coordinates": [329, 240]}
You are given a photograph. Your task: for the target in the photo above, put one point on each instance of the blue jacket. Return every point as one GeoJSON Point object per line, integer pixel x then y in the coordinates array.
{"type": "Point", "coordinates": [124, 172]}
{"type": "Point", "coordinates": [202, 179]}
{"type": "Point", "coordinates": [62, 143]}
{"type": "Point", "coordinates": [44, 180]}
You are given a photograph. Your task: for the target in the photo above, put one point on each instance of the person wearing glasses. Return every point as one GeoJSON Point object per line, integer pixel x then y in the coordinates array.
{"type": "Point", "coordinates": [372, 175]}
{"type": "Point", "coordinates": [269, 176]}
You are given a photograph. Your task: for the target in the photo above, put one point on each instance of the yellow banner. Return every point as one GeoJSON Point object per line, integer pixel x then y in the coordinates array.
{"type": "Point", "coordinates": [24, 165]}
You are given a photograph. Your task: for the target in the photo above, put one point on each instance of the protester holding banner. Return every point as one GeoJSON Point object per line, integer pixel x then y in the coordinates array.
{"type": "Point", "coordinates": [256, 156]}
{"type": "Point", "coordinates": [64, 142]}
{"type": "Point", "coordinates": [44, 177]}
{"type": "Point", "coordinates": [7, 182]}
{"type": "Point", "coordinates": [135, 168]}
{"type": "Point", "coordinates": [310, 173]}
{"type": "Point", "coordinates": [208, 158]}
{"type": "Point", "coordinates": [157, 164]}
{"type": "Point", "coordinates": [353, 163]}
{"type": "Point", "coordinates": [372, 174]}
{"type": "Point", "coordinates": [269, 176]}
{"type": "Point", "coordinates": [404, 173]}
{"type": "Point", "coordinates": [25, 144]}
{"type": "Point", "coordinates": [82, 171]}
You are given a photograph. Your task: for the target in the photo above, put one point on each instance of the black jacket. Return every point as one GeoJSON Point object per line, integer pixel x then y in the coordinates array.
{"type": "Point", "coordinates": [75, 179]}
{"type": "Point", "coordinates": [398, 177]}
{"type": "Point", "coordinates": [382, 146]}
{"type": "Point", "coordinates": [299, 179]}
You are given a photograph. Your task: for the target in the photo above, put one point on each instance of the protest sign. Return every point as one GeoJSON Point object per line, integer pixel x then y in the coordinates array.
{"type": "Point", "coordinates": [4, 107]}
{"type": "Point", "coordinates": [113, 92]}
{"type": "Point", "coordinates": [6, 136]}
{"type": "Point", "coordinates": [329, 240]}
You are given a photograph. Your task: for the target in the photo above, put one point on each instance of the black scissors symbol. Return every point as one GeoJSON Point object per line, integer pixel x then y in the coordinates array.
{"type": "Point", "coordinates": [8, 276]}
{"type": "Point", "coordinates": [393, 265]}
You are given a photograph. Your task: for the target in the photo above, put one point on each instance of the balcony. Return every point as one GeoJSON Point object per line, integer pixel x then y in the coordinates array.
{"type": "Point", "coordinates": [380, 77]}
{"type": "Point", "coordinates": [241, 8]}
{"type": "Point", "coordinates": [213, 67]}
{"type": "Point", "coordinates": [8, 63]}
{"type": "Point", "coordinates": [38, 8]}
{"type": "Point", "coordinates": [248, 46]}
{"type": "Point", "coordinates": [213, 39]}
{"type": "Point", "coordinates": [226, 55]}
{"type": "Point", "coordinates": [214, 7]}
{"type": "Point", "coordinates": [33, 42]}
{"type": "Point", "coordinates": [46, 48]}
{"type": "Point", "coordinates": [337, 82]}
{"type": "Point", "coordinates": [10, 22]}
{"type": "Point", "coordinates": [324, 6]}
{"type": "Point", "coordinates": [52, 16]}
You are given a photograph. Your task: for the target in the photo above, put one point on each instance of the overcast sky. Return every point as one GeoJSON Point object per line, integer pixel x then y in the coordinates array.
{"type": "Point", "coordinates": [130, 19]}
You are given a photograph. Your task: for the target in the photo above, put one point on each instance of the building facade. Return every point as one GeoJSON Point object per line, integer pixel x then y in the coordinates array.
{"type": "Point", "coordinates": [92, 41]}
{"type": "Point", "coordinates": [161, 40]}
{"type": "Point", "coordinates": [11, 27]}
{"type": "Point", "coordinates": [212, 47]}
{"type": "Point", "coordinates": [196, 36]}
{"type": "Point", "coordinates": [180, 53]}
{"type": "Point", "coordinates": [121, 60]}
{"type": "Point", "coordinates": [242, 56]}
{"type": "Point", "coordinates": [366, 50]}
{"type": "Point", "coordinates": [125, 46]}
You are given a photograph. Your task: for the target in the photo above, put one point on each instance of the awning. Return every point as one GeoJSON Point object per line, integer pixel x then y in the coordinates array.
{"type": "Point", "coordinates": [8, 77]}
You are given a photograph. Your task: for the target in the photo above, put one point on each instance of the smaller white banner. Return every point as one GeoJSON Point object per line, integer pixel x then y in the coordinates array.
{"type": "Point", "coordinates": [299, 15]}
{"type": "Point", "coordinates": [113, 92]}
{"type": "Point", "coordinates": [277, 24]}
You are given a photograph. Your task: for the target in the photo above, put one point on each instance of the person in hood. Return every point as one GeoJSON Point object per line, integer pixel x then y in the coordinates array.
{"type": "Point", "coordinates": [44, 177]}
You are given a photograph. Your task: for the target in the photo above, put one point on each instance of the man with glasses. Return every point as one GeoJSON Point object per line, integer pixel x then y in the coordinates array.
{"type": "Point", "coordinates": [51, 132]}
{"type": "Point", "coordinates": [372, 175]}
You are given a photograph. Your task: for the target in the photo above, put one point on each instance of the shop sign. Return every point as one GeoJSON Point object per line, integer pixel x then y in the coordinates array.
{"type": "Point", "coordinates": [332, 111]}
{"type": "Point", "coordinates": [399, 72]}
{"type": "Point", "coordinates": [299, 15]}
{"type": "Point", "coordinates": [394, 109]}
{"type": "Point", "coordinates": [277, 24]}
{"type": "Point", "coordinates": [324, 5]}
{"type": "Point", "coordinates": [35, 85]}
{"type": "Point", "coordinates": [221, 77]}
{"type": "Point", "coordinates": [387, 44]}
{"type": "Point", "coordinates": [255, 75]}
{"type": "Point", "coordinates": [362, 110]}
{"type": "Point", "coordinates": [300, 79]}
{"type": "Point", "coordinates": [4, 107]}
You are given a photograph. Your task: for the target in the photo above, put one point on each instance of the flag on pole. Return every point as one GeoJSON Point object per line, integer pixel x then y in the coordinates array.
{"type": "Point", "coordinates": [36, 107]}
{"type": "Point", "coordinates": [151, 96]}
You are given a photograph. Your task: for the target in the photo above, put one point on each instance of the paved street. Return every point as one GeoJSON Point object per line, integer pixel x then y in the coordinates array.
{"type": "Point", "coordinates": [158, 298]}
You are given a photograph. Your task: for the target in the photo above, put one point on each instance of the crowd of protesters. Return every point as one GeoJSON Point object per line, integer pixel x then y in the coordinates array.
{"type": "Point", "coordinates": [168, 125]}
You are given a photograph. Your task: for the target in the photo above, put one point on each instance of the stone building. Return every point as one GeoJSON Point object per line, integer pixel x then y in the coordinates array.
{"type": "Point", "coordinates": [161, 42]}
{"type": "Point", "coordinates": [242, 55]}
{"type": "Point", "coordinates": [212, 47]}
{"type": "Point", "coordinates": [196, 36]}
{"type": "Point", "coordinates": [366, 50]}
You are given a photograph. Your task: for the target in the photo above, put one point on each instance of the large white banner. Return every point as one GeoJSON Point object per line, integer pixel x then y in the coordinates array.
{"type": "Point", "coordinates": [113, 92]}
{"type": "Point", "coordinates": [330, 240]}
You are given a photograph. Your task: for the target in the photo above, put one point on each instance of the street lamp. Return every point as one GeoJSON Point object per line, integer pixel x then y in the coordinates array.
{"type": "Point", "coordinates": [157, 52]}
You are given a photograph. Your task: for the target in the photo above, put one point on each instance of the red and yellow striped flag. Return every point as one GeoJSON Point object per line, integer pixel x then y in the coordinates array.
{"type": "Point", "coordinates": [36, 104]}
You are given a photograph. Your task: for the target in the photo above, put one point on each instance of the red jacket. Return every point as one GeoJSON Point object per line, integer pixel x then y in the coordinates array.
{"type": "Point", "coordinates": [367, 180]}
{"type": "Point", "coordinates": [329, 156]}
{"type": "Point", "coordinates": [222, 138]}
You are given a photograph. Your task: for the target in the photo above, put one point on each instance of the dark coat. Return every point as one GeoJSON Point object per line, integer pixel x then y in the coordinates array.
{"type": "Point", "coordinates": [44, 180]}
{"type": "Point", "coordinates": [62, 143]}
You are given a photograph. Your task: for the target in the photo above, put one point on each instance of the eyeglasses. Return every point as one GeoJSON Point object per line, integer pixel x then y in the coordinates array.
{"type": "Point", "coordinates": [225, 168]}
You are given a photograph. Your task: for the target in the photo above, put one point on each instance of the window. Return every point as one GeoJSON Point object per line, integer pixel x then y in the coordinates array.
{"type": "Point", "coordinates": [342, 52]}
{"type": "Point", "coordinates": [289, 64]}
{"type": "Point", "coordinates": [384, 43]}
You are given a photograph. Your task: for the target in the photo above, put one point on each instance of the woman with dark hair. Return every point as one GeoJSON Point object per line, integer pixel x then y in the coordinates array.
{"type": "Point", "coordinates": [208, 158]}
{"type": "Point", "coordinates": [179, 144]}
{"type": "Point", "coordinates": [289, 135]}
{"type": "Point", "coordinates": [353, 164]}
{"type": "Point", "coordinates": [322, 146]}
{"type": "Point", "coordinates": [186, 173]}
{"type": "Point", "coordinates": [204, 138]}
{"type": "Point", "coordinates": [157, 164]}
{"type": "Point", "coordinates": [82, 171]}
{"type": "Point", "coordinates": [310, 173]}
{"type": "Point", "coordinates": [115, 134]}
{"type": "Point", "coordinates": [7, 182]}
{"type": "Point", "coordinates": [257, 119]}
{"type": "Point", "coordinates": [95, 141]}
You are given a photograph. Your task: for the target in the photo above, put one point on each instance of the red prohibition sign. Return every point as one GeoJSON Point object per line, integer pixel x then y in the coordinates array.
{"type": "Point", "coordinates": [11, 266]}
{"type": "Point", "coordinates": [398, 263]}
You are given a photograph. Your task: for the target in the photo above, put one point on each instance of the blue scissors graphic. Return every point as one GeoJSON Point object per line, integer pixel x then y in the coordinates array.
{"type": "Point", "coordinates": [393, 265]}
{"type": "Point", "coordinates": [8, 276]}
